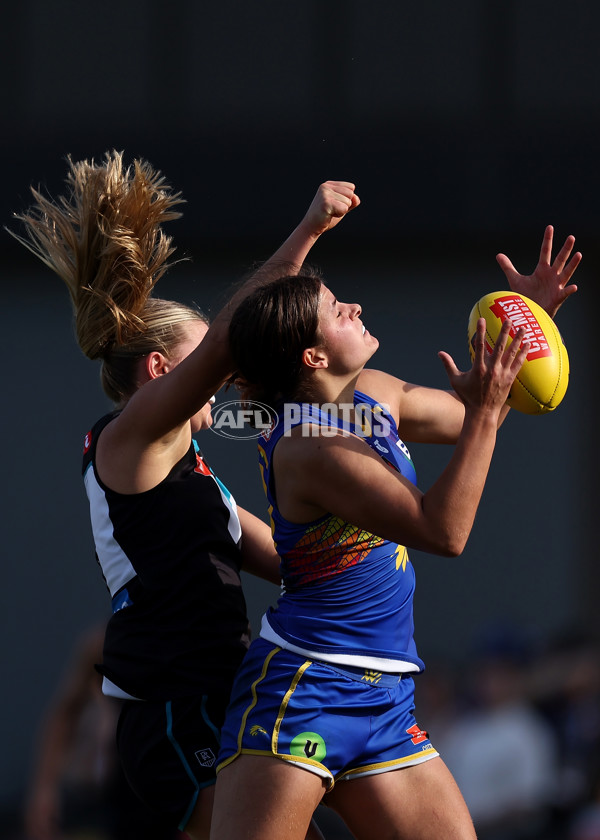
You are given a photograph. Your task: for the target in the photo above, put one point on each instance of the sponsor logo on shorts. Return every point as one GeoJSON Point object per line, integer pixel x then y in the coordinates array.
{"type": "Point", "coordinates": [309, 745]}
{"type": "Point", "coordinates": [418, 735]}
{"type": "Point", "coordinates": [371, 676]}
{"type": "Point", "coordinates": [206, 757]}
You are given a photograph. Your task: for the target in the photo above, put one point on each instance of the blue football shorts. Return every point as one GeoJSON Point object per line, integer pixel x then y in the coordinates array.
{"type": "Point", "coordinates": [340, 723]}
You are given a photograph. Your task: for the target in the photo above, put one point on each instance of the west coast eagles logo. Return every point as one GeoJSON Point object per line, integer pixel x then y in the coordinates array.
{"type": "Point", "coordinates": [256, 730]}
{"type": "Point", "coordinates": [372, 677]}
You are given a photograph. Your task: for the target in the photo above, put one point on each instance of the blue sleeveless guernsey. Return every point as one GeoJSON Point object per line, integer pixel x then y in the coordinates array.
{"type": "Point", "coordinates": [347, 594]}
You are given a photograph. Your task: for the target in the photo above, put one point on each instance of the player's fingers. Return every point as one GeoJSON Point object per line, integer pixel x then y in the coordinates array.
{"type": "Point", "coordinates": [571, 266]}
{"type": "Point", "coordinates": [502, 340]}
{"type": "Point", "coordinates": [507, 267]}
{"type": "Point", "coordinates": [569, 290]}
{"type": "Point", "coordinates": [451, 370]}
{"type": "Point", "coordinates": [505, 264]}
{"type": "Point", "coordinates": [339, 204]}
{"type": "Point", "coordinates": [546, 249]}
{"type": "Point", "coordinates": [564, 253]}
{"type": "Point", "coordinates": [337, 200]}
{"type": "Point", "coordinates": [344, 186]}
{"type": "Point", "coordinates": [519, 355]}
{"type": "Point", "coordinates": [479, 344]}
{"type": "Point", "coordinates": [342, 189]}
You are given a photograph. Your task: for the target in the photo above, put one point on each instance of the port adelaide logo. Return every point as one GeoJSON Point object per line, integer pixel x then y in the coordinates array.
{"type": "Point", "coordinates": [205, 757]}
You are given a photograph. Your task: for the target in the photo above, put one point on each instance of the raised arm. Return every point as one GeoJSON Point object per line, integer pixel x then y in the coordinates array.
{"type": "Point", "coordinates": [343, 476]}
{"type": "Point", "coordinates": [166, 403]}
{"type": "Point", "coordinates": [153, 431]}
{"type": "Point", "coordinates": [333, 200]}
{"type": "Point", "coordinates": [429, 415]}
{"type": "Point", "coordinates": [549, 283]}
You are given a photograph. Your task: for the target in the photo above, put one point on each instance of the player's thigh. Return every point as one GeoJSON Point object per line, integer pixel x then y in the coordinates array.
{"type": "Point", "coordinates": [413, 803]}
{"type": "Point", "coordinates": [264, 798]}
{"type": "Point", "coordinates": [198, 826]}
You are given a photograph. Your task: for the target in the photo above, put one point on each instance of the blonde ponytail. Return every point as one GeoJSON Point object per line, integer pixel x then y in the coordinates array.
{"type": "Point", "coordinates": [104, 240]}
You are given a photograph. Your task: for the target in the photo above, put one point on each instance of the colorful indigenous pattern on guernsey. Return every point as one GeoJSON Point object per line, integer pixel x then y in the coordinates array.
{"type": "Point", "coordinates": [329, 545]}
{"type": "Point", "coordinates": [347, 593]}
{"type": "Point", "coordinates": [338, 545]}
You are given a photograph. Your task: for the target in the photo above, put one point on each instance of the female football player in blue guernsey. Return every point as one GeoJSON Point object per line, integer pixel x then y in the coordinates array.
{"type": "Point", "coordinates": [323, 703]}
{"type": "Point", "coordinates": [169, 537]}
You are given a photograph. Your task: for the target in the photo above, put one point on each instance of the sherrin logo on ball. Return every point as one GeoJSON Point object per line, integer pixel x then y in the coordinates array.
{"type": "Point", "coordinates": [544, 377]}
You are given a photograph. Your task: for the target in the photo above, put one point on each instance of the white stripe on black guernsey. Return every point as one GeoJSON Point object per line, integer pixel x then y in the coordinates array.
{"type": "Point", "coordinates": [171, 560]}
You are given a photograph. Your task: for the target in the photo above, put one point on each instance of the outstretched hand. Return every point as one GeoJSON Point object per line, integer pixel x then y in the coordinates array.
{"type": "Point", "coordinates": [487, 385]}
{"type": "Point", "coordinates": [548, 285]}
{"type": "Point", "coordinates": [333, 200]}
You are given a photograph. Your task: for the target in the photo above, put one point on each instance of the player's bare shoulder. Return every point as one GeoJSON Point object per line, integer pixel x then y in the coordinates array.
{"type": "Point", "coordinates": [386, 389]}
{"type": "Point", "coordinates": [304, 461]}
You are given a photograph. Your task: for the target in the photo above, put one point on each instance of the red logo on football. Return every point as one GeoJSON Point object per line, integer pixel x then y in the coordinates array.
{"type": "Point", "coordinates": [515, 309]}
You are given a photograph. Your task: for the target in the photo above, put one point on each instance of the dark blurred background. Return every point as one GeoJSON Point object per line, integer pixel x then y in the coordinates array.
{"type": "Point", "coordinates": [467, 127]}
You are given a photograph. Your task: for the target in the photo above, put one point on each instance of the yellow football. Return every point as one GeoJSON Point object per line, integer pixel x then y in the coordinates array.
{"type": "Point", "coordinates": [543, 379]}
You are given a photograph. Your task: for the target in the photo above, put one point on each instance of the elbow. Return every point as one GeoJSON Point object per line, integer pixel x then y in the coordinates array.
{"type": "Point", "coordinates": [442, 538]}
{"type": "Point", "coordinates": [444, 528]}
{"type": "Point", "coordinates": [453, 550]}
{"type": "Point", "coordinates": [450, 544]}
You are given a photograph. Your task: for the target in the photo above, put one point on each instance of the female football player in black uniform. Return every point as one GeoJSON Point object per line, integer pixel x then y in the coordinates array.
{"type": "Point", "coordinates": [169, 537]}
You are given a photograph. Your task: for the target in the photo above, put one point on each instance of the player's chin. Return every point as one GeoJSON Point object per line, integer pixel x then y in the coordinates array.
{"type": "Point", "coordinates": [203, 420]}
{"type": "Point", "coordinates": [373, 344]}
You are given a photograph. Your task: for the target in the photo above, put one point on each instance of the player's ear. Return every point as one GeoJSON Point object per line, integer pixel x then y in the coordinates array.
{"type": "Point", "coordinates": [315, 357]}
{"type": "Point", "coordinates": [156, 364]}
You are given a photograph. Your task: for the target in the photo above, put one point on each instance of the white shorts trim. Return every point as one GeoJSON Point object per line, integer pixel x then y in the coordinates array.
{"type": "Point", "coordinates": [375, 770]}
